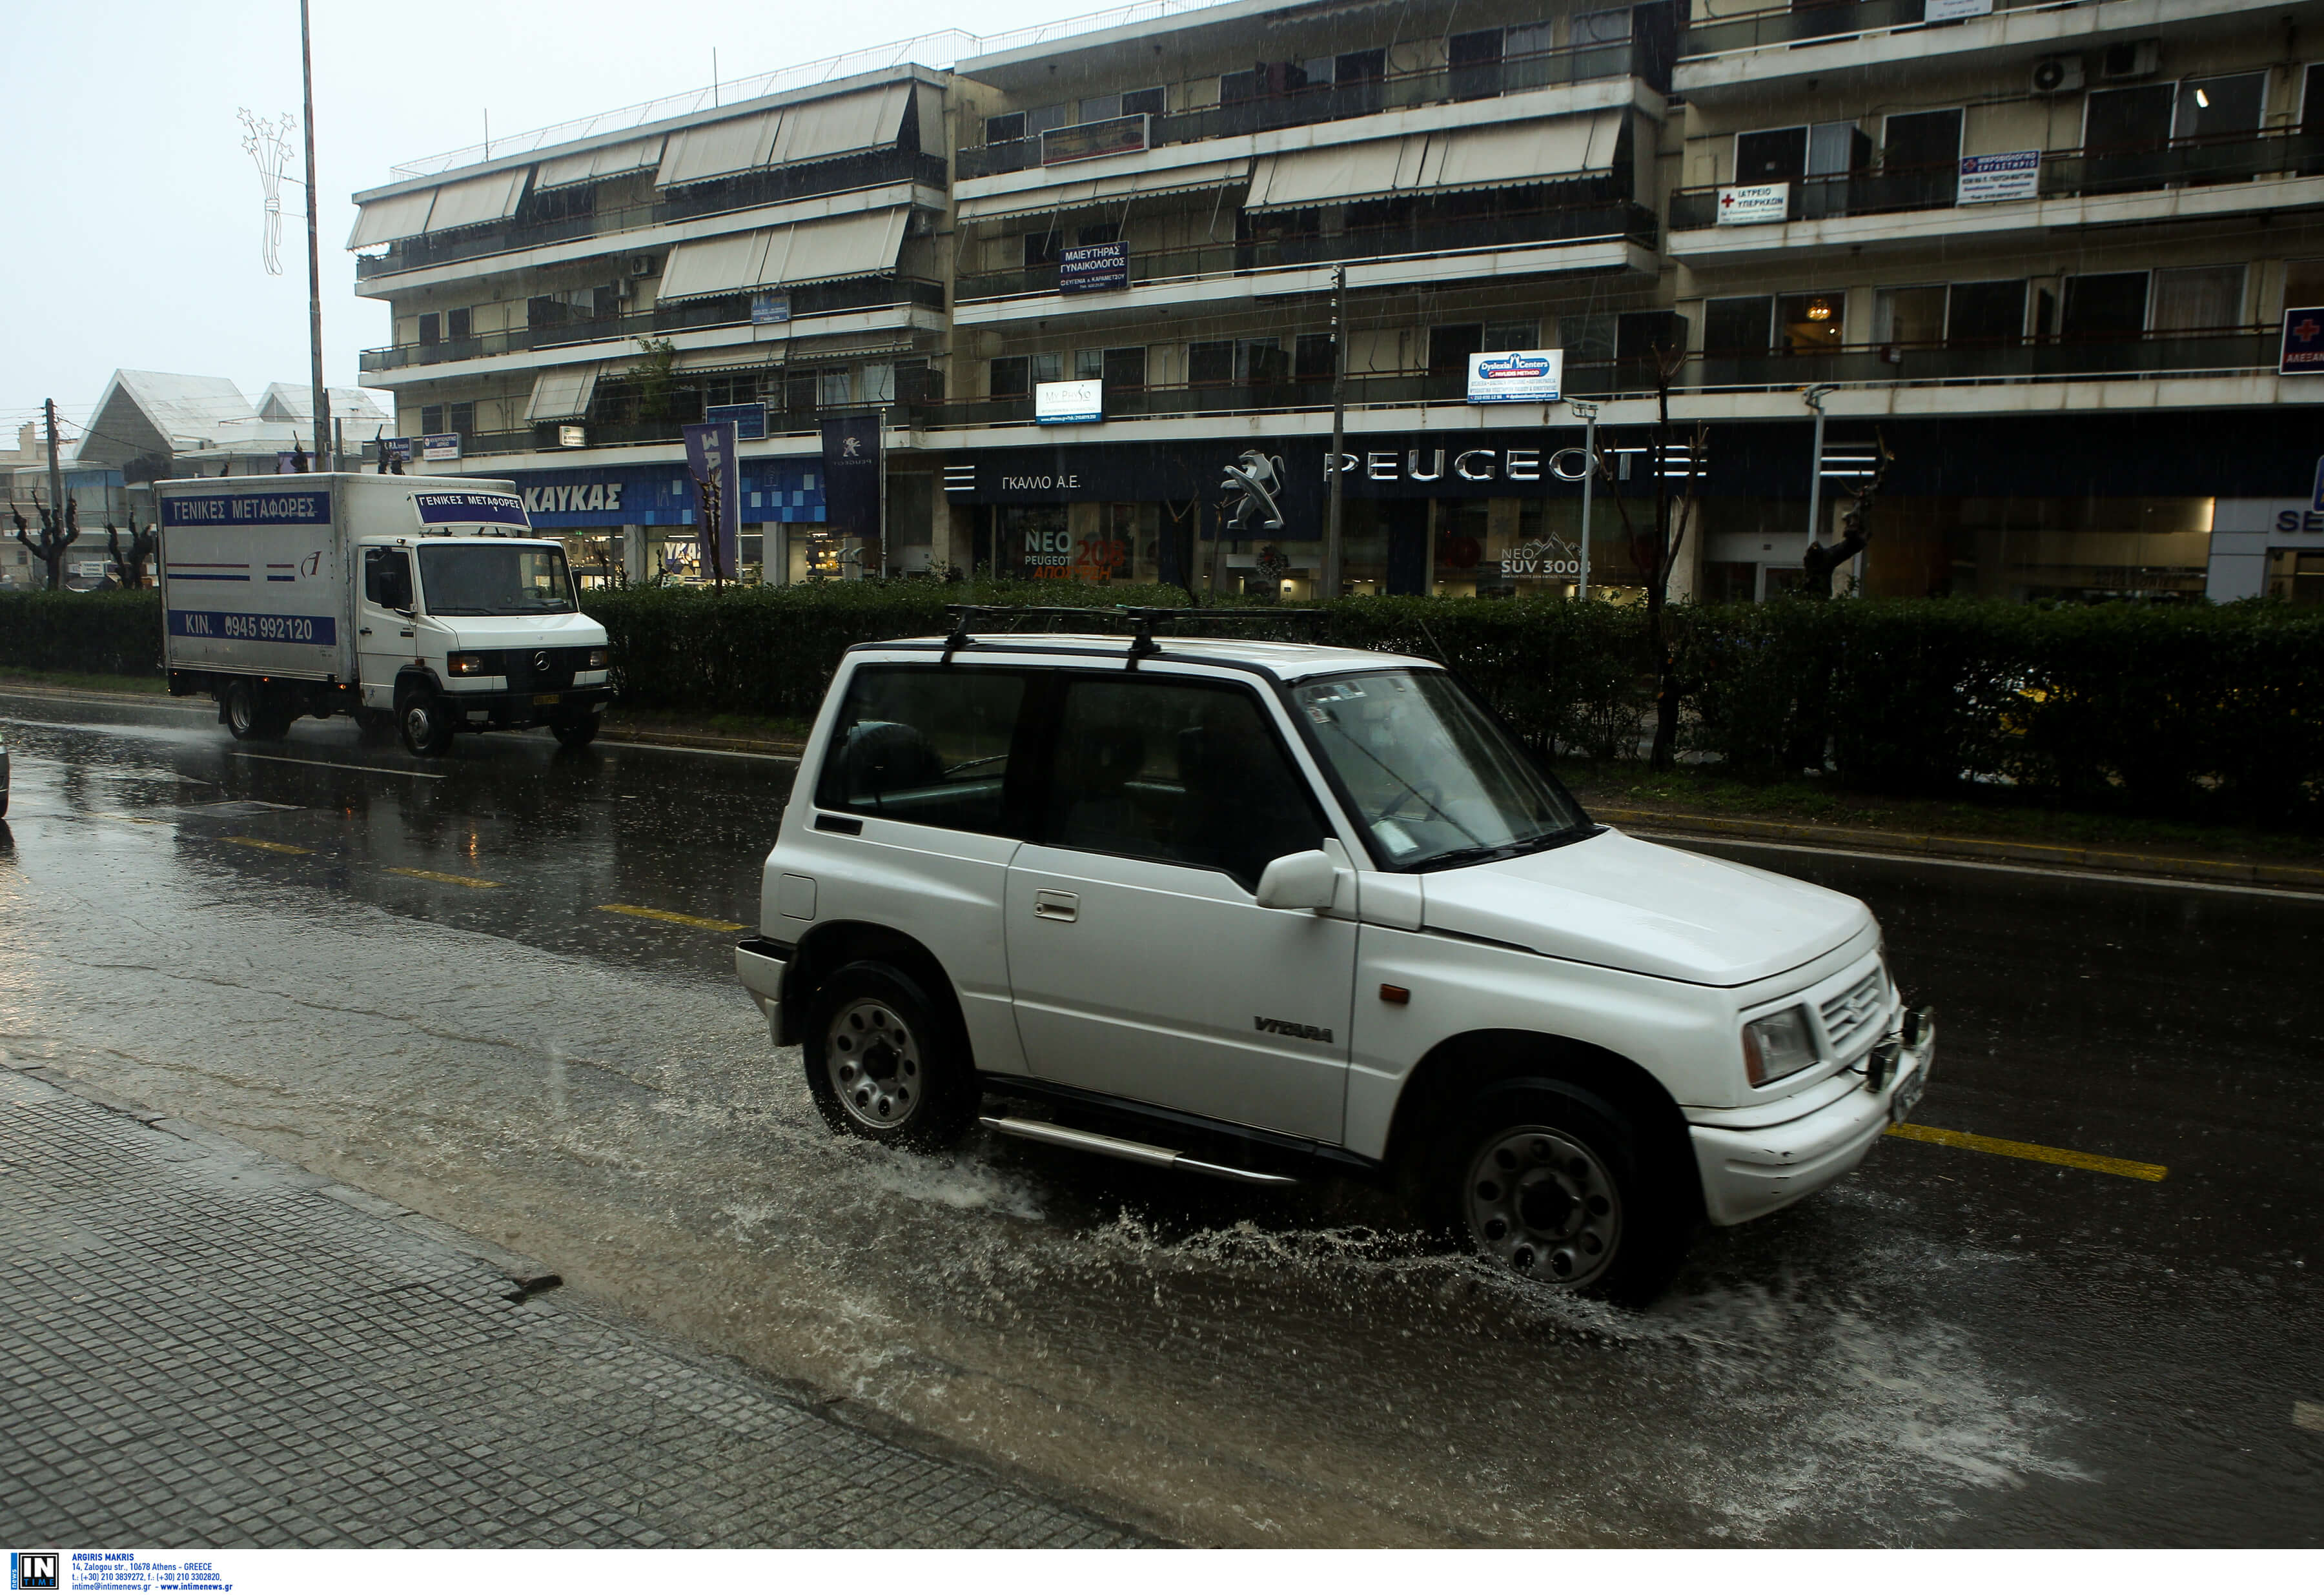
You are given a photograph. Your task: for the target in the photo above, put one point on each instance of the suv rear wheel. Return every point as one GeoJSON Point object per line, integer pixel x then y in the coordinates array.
{"type": "Point", "coordinates": [884, 1062]}
{"type": "Point", "coordinates": [1554, 1184]}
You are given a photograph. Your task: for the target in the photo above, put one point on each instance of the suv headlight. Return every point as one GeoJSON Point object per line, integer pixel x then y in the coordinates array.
{"type": "Point", "coordinates": [599, 658]}
{"type": "Point", "coordinates": [465, 664]}
{"type": "Point", "coordinates": [1779, 1045]}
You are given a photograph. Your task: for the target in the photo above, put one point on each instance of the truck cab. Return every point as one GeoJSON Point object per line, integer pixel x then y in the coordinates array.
{"type": "Point", "coordinates": [1263, 910]}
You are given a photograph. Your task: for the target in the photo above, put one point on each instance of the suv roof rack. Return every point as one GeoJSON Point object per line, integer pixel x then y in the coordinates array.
{"type": "Point", "coordinates": [1141, 620]}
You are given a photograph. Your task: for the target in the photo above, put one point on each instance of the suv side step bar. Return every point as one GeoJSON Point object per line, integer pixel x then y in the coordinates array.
{"type": "Point", "coordinates": [1057, 1135]}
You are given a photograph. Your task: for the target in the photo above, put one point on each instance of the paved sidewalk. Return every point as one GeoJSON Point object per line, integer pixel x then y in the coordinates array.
{"type": "Point", "coordinates": [201, 1346]}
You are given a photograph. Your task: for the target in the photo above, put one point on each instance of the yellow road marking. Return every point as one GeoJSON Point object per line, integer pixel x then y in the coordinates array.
{"type": "Point", "coordinates": [267, 846]}
{"type": "Point", "coordinates": [2030, 1151]}
{"type": "Point", "coordinates": [126, 819]}
{"type": "Point", "coordinates": [440, 875]}
{"type": "Point", "coordinates": [698, 924]}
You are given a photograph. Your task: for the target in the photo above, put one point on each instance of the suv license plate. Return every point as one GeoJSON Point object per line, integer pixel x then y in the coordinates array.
{"type": "Point", "coordinates": [547, 698]}
{"type": "Point", "coordinates": [1908, 1096]}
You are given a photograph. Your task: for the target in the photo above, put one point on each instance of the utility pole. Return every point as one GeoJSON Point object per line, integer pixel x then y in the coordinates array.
{"type": "Point", "coordinates": [1332, 546]}
{"type": "Point", "coordinates": [1589, 415]}
{"type": "Point", "coordinates": [1815, 397]}
{"type": "Point", "coordinates": [56, 476]}
{"type": "Point", "coordinates": [314, 250]}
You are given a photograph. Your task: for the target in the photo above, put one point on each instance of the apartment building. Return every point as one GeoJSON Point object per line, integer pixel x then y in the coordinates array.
{"type": "Point", "coordinates": [2045, 252]}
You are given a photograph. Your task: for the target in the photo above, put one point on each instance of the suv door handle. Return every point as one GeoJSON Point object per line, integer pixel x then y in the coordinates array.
{"type": "Point", "coordinates": [363, 631]}
{"type": "Point", "coordinates": [1056, 905]}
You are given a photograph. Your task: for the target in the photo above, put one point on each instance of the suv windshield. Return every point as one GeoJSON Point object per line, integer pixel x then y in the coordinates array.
{"type": "Point", "coordinates": [1434, 780]}
{"type": "Point", "coordinates": [495, 579]}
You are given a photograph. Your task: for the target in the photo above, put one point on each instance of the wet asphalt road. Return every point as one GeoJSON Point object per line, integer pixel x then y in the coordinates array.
{"type": "Point", "coordinates": [1950, 1347]}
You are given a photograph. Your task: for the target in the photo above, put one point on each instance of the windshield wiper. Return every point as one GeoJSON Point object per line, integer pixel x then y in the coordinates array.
{"type": "Point", "coordinates": [1487, 853]}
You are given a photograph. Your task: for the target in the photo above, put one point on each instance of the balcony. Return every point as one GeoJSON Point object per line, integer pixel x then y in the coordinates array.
{"type": "Point", "coordinates": [1605, 219]}
{"type": "Point", "coordinates": [2216, 351]}
{"type": "Point", "coordinates": [747, 192]}
{"type": "Point", "coordinates": [825, 299]}
{"type": "Point", "coordinates": [1645, 57]}
{"type": "Point", "coordinates": [2238, 158]}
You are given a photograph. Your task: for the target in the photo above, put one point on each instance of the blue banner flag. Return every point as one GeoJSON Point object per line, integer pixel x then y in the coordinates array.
{"type": "Point", "coordinates": [713, 461]}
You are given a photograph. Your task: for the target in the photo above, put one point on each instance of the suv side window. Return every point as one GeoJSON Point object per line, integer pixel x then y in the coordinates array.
{"type": "Point", "coordinates": [1184, 772]}
{"type": "Point", "coordinates": [925, 744]}
{"type": "Point", "coordinates": [387, 578]}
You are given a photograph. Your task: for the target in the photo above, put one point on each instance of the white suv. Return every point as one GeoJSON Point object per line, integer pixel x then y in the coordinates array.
{"type": "Point", "coordinates": [1268, 910]}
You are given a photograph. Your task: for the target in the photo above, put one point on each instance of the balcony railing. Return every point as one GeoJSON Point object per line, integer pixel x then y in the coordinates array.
{"type": "Point", "coordinates": [1643, 56]}
{"type": "Point", "coordinates": [1779, 27]}
{"type": "Point", "coordinates": [2187, 162]}
{"type": "Point", "coordinates": [749, 192]}
{"type": "Point", "coordinates": [2228, 350]}
{"type": "Point", "coordinates": [824, 299]}
{"type": "Point", "coordinates": [1603, 220]}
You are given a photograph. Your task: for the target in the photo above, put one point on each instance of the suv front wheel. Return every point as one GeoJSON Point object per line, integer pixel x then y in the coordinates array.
{"type": "Point", "coordinates": [882, 1061]}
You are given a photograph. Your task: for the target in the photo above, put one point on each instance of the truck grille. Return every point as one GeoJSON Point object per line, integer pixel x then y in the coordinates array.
{"type": "Point", "coordinates": [518, 664]}
{"type": "Point", "coordinates": [1846, 1016]}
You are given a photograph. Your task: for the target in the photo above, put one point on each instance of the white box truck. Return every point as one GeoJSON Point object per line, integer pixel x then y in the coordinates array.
{"type": "Point", "coordinates": [420, 602]}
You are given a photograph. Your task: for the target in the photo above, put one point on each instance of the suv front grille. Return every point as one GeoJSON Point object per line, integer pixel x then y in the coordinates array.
{"type": "Point", "coordinates": [1845, 1015]}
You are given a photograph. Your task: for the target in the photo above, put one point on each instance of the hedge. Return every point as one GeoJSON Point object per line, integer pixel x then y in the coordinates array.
{"type": "Point", "coordinates": [2196, 711]}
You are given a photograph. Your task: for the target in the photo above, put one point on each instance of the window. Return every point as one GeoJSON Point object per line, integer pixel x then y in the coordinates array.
{"type": "Point", "coordinates": [1449, 347]}
{"type": "Point", "coordinates": [2197, 298]}
{"type": "Point", "coordinates": [1266, 81]}
{"type": "Point", "coordinates": [1006, 129]}
{"type": "Point", "coordinates": [436, 419]}
{"type": "Point", "coordinates": [2213, 107]}
{"type": "Point", "coordinates": [2128, 118]}
{"type": "Point", "coordinates": [431, 418]}
{"type": "Point", "coordinates": [480, 579]}
{"type": "Point", "coordinates": [1360, 66]}
{"type": "Point", "coordinates": [457, 323]}
{"type": "Point", "coordinates": [1102, 107]}
{"type": "Point", "coordinates": [2107, 304]}
{"type": "Point", "coordinates": [1177, 771]}
{"type": "Point", "coordinates": [1987, 314]}
{"type": "Point", "coordinates": [1909, 314]}
{"type": "Point", "coordinates": [2303, 284]}
{"type": "Point", "coordinates": [1642, 334]}
{"type": "Point", "coordinates": [1041, 118]}
{"type": "Point", "coordinates": [1809, 323]}
{"type": "Point", "coordinates": [1209, 362]}
{"type": "Point", "coordinates": [835, 387]}
{"type": "Point", "coordinates": [1510, 334]}
{"type": "Point", "coordinates": [1047, 368]}
{"type": "Point", "coordinates": [1104, 233]}
{"type": "Point", "coordinates": [1921, 154]}
{"type": "Point", "coordinates": [1117, 368]}
{"type": "Point", "coordinates": [878, 384]}
{"type": "Point", "coordinates": [1736, 326]}
{"type": "Point", "coordinates": [1786, 154]}
{"type": "Point", "coordinates": [1475, 59]}
{"type": "Point", "coordinates": [1312, 359]}
{"type": "Point", "coordinates": [1041, 249]}
{"type": "Point", "coordinates": [1587, 340]}
{"type": "Point", "coordinates": [387, 578]}
{"type": "Point", "coordinates": [930, 746]}
{"type": "Point", "coordinates": [430, 329]}
{"type": "Point", "coordinates": [1600, 27]}
{"type": "Point", "coordinates": [1149, 102]}
{"type": "Point", "coordinates": [1531, 39]}
{"type": "Point", "coordinates": [1011, 378]}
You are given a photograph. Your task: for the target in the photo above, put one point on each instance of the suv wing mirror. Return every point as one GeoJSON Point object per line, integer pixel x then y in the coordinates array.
{"type": "Point", "coordinates": [1299, 880]}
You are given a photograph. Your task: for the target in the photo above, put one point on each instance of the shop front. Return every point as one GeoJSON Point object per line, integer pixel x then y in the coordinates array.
{"type": "Point", "coordinates": [639, 519]}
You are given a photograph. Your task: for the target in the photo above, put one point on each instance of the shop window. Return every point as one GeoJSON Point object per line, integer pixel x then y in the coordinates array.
{"type": "Point", "coordinates": [1311, 359]}
{"type": "Point", "coordinates": [1737, 325]}
{"type": "Point", "coordinates": [2216, 107]}
{"type": "Point", "coordinates": [1811, 323]}
{"type": "Point", "coordinates": [2105, 304]}
{"type": "Point", "coordinates": [1449, 347]}
{"type": "Point", "coordinates": [1510, 334]}
{"type": "Point", "coordinates": [2136, 118]}
{"type": "Point", "coordinates": [2197, 298]}
{"type": "Point", "coordinates": [1909, 314]}
{"type": "Point", "coordinates": [1988, 315]}
{"type": "Point", "coordinates": [431, 331]}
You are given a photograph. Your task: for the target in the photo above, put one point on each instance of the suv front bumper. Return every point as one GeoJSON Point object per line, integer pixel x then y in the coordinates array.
{"type": "Point", "coordinates": [760, 964]}
{"type": "Point", "coordinates": [1748, 1173]}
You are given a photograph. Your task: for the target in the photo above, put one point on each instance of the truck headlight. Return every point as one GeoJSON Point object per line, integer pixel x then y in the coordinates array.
{"type": "Point", "coordinates": [465, 664]}
{"type": "Point", "coordinates": [1779, 1045]}
{"type": "Point", "coordinates": [599, 658]}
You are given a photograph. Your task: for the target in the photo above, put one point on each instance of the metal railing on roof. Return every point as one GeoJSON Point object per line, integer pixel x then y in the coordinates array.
{"type": "Point", "coordinates": [938, 51]}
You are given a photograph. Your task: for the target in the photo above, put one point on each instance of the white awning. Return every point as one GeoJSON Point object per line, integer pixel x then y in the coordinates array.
{"type": "Point", "coordinates": [562, 393]}
{"type": "Point", "coordinates": [383, 221]}
{"type": "Point", "coordinates": [718, 149]}
{"type": "Point", "coordinates": [491, 197]}
{"type": "Point", "coordinates": [1104, 190]}
{"type": "Point", "coordinates": [1507, 155]}
{"type": "Point", "coordinates": [606, 161]}
{"type": "Point", "coordinates": [868, 119]}
{"type": "Point", "coordinates": [862, 244]}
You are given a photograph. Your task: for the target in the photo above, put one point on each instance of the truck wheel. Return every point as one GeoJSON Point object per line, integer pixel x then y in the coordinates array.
{"type": "Point", "coordinates": [251, 713]}
{"type": "Point", "coordinates": [574, 731]}
{"type": "Point", "coordinates": [884, 1062]}
{"type": "Point", "coordinates": [427, 729]}
{"type": "Point", "coordinates": [1552, 1183]}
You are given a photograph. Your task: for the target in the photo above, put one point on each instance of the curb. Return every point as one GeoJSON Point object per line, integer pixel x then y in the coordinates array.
{"type": "Point", "coordinates": [1908, 844]}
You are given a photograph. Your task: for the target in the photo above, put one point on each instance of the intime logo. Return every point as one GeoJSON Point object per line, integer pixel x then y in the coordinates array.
{"type": "Point", "coordinates": [33, 1570]}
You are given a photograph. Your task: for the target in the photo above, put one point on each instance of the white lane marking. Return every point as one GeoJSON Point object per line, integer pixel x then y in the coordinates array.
{"type": "Point", "coordinates": [1920, 858]}
{"type": "Point", "coordinates": [714, 752]}
{"type": "Point", "coordinates": [422, 775]}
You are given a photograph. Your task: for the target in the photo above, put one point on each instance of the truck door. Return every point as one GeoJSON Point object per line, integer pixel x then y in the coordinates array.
{"type": "Point", "coordinates": [383, 642]}
{"type": "Point", "coordinates": [1139, 962]}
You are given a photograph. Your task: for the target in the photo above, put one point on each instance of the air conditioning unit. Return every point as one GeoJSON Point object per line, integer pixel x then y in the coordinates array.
{"type": "Point", "coordinates": [2138, 59]}
{"type": "Point", "coordinates": [644, 265]}
{"type": "Point", "coordinates": [2058, 74]}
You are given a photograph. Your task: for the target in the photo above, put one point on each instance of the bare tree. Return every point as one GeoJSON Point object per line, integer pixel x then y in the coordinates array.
{"type": "Point", "coordinates": [54, 538]}
{"type": "Point", "coordinates": [129, 566]}
{"type": "Point", "coordinates": [1654, 548]}
{"type": "Point", "coordinates": [1821, 559]}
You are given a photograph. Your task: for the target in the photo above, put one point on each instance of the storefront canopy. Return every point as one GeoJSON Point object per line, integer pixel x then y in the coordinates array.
{"type": "Point", "coordinates": [562, 393]}
{"type": "Point", "coordinates": [1548, 151]}
{"type": "Point", "coordinates": [588, 166]}
{"type": "Point", "coordinates": [1119, 188]}
{"type": "Point", "coordinates": [863, 245]}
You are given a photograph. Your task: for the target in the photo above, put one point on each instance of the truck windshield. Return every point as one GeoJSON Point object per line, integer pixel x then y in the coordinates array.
{"type": "Point", "coordinates": [1434, 780]}
{"type": "Point", "coordinates": [495, 579]}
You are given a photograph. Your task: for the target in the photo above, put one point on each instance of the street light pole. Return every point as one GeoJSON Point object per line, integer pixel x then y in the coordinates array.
{"type": "Point", "coordinates": [314, 255]}
{"type": "Point", "coordinates": [1589, 417]}
{"type": "Point", "coordinates": [1331, 544]}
